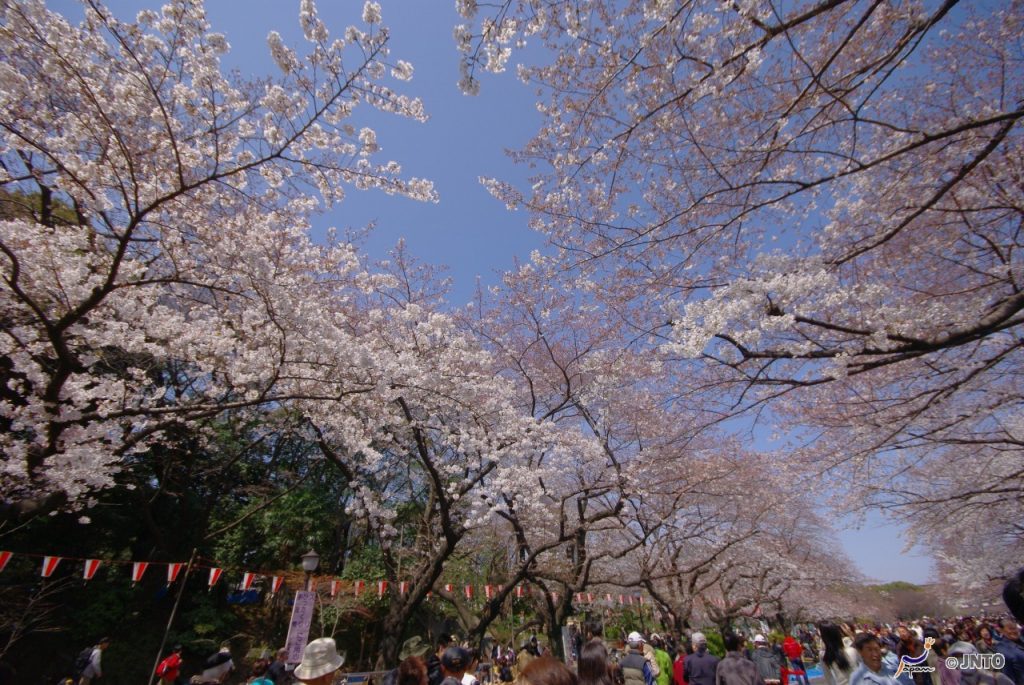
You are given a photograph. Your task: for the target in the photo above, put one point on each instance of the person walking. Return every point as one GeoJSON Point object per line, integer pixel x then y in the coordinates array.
{"type": "Point", "coordinates": [636, 669]}
{"type": "Point", "coordinates": [736, 669]}
{"type": "Point", "coordinates": [662, 660]}
{"type": "Point", "coordinates": [839, 661]}
{"type": "Point", "coordinates": [169, 669]}
{"type": "Point", "coordinates": [94, 669]}
{"type": "Point", "coordinates": [769, 666]}
{"type": "Point", "coordinates": [700, 667]}
{"type": "Point", "coordinates": [320, 661]}
{"type": "Point", "coordinates": [277, 671]}
{"type": "Point", "coordinates": [869, 650]}
{"type": "Point", "coordinates": [1010, 646]}
{"type": "Point", "coordinates": [795, 656]}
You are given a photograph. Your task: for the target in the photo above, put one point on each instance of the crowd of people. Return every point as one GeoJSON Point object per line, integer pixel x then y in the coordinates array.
{"type": "Point", "coordinates": [932, 652]}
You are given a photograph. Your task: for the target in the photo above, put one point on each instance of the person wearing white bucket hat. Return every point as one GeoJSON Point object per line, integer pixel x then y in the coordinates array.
{"type": "Point", "coordinates": [320, 661]}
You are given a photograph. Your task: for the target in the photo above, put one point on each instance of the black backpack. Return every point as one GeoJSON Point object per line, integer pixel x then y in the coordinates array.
{"type": "Point", "coordinates": [82, 660]}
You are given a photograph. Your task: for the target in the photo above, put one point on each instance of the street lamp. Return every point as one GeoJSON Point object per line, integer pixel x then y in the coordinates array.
{"type": "Point", "coordinates": [310, 560]}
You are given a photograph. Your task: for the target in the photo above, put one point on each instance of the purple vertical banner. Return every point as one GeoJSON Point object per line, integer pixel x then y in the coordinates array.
{"type": "Point", "coordinates": [298, 627]}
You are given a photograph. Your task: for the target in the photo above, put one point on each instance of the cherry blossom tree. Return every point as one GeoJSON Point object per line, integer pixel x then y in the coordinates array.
{"type": "Point", "coordinates": [158, 214]}
{"type": "Point", "coordinates": [818, 200]}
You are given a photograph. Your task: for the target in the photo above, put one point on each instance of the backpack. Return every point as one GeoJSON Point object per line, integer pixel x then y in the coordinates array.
{"type": "Point", "coordinates": [82, 660]}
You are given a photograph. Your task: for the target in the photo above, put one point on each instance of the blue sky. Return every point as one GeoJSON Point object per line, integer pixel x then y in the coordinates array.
{"type": "Point", "coordinates": [466, 138]}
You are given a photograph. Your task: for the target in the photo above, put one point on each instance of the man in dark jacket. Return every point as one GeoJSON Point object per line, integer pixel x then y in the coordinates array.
{"type": "Point", "coordinates": [735, 669]}
{"type": "Point", "coordinates": [1011, 647]}
{"type": "Point", "coordinates": [434, 675]}
{"type": "Point", "coordinates": [769, 666]}
{"type": "Point", "coordinates": [700, 667]}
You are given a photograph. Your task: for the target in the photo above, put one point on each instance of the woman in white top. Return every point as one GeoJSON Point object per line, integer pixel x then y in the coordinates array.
{"type": "Point", "coordinates": [839, 661]}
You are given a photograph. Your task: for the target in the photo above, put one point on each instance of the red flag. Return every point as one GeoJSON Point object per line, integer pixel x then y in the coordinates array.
{"type": "Point", "coordinates": [448, 587]}
{"type": "Point", "coordinates": [335, 584]}
{"type": "Point", "coordinates": [173, 570]}
{"type": "Point", "coordinates": [91, 565]}
{"type": "Point", "coordinates": [360, 584]}
{"type": "Point", "coordinates": [403, 587]}
{"type": "Point", "coordinates": [49, 566]}
{"type": "Point", "coordinates": [275, 584]}
{"type": "Point", "coordinates": [215, 574]}
{"type": "Point", "coordinates": [590, 597]}
{"type": "Point", "coordinates": [382, 587]}
{"type": "Point", "coordinates": [4, 558]}
{"type": "Point", "coordinates": [138, 568]}
{"type": "Point", "coordinates": [489, 591]}
{"type": "Point", "coordinates": [247, 579]}
{"type": "Point", "coordinates": [579, 597]}
{"type": "Point", "coordinates": [520, 591]}
{"type": "Point", "coordinates": [469, 592]}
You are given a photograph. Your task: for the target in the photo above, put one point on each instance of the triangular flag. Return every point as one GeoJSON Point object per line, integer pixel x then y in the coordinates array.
{"type": "Point", "coordinates": [247, 579]}
{"type": "Point", "coordinates": [91, 565]}
{"type": "Point", "coordinates": [622, 599]}
{"type": "Point", "coordinates": [215, 574]}
{"type": "Point", "coordinates": [469, 592]}
{"type": "Point", "coordinates": [4, 558]}
{"type": "Point", "coordinates": [403, 587]}
{"type": "Point", "coordinates": [608, 597]}
{"type": "Point", "coordinates": [360, 584]}
{"type": "Point", "coordinates": [590, 597]}
{"type": "Point", "coordinates": [275, 584]}
{"type": "Point", "coordinates": [579, 597]}
{"type": "Point", "coordinates": [382, 587]}
{"type": "Point", "coordinates": [489, 591]}
{"type": "Point", "coordinates": [520, 591]}
{"type": "Point", "coordinates": [138, 568]}
{"type": "Point", "coordinates": [49, 566]}
{"type": "Point", "coordinates": [335, 584]}
{"type": "Point", "coordinates": [173, 570]}
{"type": "Point", "coordinates": [640, 599]}
{"type": "Point", "coordinates": [448, 587]}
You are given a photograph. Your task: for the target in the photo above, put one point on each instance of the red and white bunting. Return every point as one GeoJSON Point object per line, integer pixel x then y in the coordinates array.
{"type": "Point", "coordinates": [215, 574]}
{"type": "Point", "coordinates": [469, 592]}
{"type": "Point", "coordinates": [138, 568]}
{"type": "Point", "coordinates": [173, 569]}
{"type": "Point", "coordinates": [382, 587]}
{"type": "Point", "coordinates": [360, 585]}
{"type": "Point", "coordinates": [622, 599]}
{"type": "Point", "coordinates": [640, 599]}
{"type": "Point", "coordinates": [520, 591]}
{"type": "Point", "coordinates": [489, 591]}
{"type": "Point", "coordinates": [448, 587]}
{"type": "Point", "coordinates": [608, 597]}
{"type": "Point", "coordinates": [49, 566]}
{"type": "Point", "coordinates": [335, 586]}
{"type": "Point", "coordinates": [275, 584]}
{"type": "Point", "coordinates": [91, 566]}
{"type": "Point", "coordinates": [590, 597]}
{"type": "Point", "coordinates": [403, 587]}
{"type": "Point", "coordinates": [630, 600]}
{"type": "Point", "coordinates": [430, 595]}
{"type": "Point", "coordinates": [247, 579]}
{"type": "Point", "coordinates": [579, 597]}
{"type": "Point", "coordinates": [4, 558]}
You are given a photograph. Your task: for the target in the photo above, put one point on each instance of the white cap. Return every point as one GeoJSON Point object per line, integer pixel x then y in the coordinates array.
{"type": "Point", "coordinates": [760, 638]}
{"type": "Point", "coordinates": [698, 639]}
{"type": "Point", "coordinates": [635, 638]}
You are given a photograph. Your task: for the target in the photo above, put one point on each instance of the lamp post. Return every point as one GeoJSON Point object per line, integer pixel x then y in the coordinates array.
{"type": "Point", "coordinates": [310, 560]}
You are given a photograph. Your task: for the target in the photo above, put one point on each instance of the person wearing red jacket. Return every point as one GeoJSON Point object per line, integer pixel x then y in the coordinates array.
{"type": "Point", "coordinates": [795, 656]}
{"type": "Point", "coordinates": [170, 668]}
